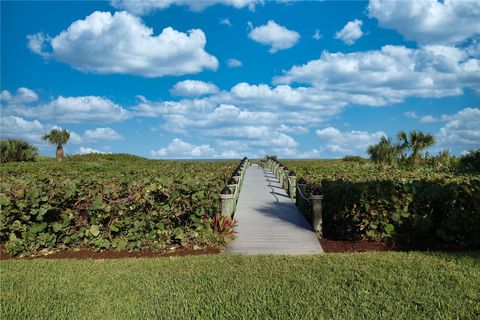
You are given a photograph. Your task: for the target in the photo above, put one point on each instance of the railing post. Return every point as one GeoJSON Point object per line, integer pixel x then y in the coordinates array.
{"type": "Point", "coordinates": [301, 204]}
{"type": "Point", "coordinates": [292, 185]}
{"type": "Point", "coordinates": [236, 176]}
{"type": "Point", "coordinates": [242, 171]}
{"type": "Point", "coordinates": [226, 197]}
{"type": "Point", "coordinates": [285, 179]}
{"type": "Point", "coordinates": [232, 184]}
{"type": "Point", "coordinates": [280, 175]}
{"type": "Point", "coordinates": [317, 198]}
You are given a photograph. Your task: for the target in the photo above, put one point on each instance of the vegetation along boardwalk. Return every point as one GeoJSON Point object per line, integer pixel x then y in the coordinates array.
{"type": "Point", "coordinates": [268, 220]}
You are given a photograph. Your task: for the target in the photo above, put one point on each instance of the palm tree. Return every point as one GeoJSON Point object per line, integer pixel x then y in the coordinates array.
{"type": "Point", "coordinates": [420, 141]}
{"type": "Point", "coordinates": [404, 143]}
{"type": "Point", "coordinates": [57, 137]}
{"type": "Point", "coordinates": [416, 141]}
{"type": "Point", "coordinates": [384, 151]}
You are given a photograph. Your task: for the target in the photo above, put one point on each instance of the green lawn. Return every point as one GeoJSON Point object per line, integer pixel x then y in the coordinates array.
{"type": "Point", "coordinates": [332, 286]}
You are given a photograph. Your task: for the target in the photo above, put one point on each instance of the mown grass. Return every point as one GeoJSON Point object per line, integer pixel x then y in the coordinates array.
{"type": "Point", "coordinates": [333, 286]}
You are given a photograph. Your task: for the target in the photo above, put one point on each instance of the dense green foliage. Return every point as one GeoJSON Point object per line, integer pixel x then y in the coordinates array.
{"type": "Point", "coordinates": [411, 206]}
{"type": "Point", "coordinates": [384, 151]}
{"type": "Point", "coordinates": [414, 142]}
{"type": "Point", "coordinates": [12, 150]}
{"type": "Point", "coordinates": [471, 161]}
{"type": "Point", "coordinates": [333, 286]}
{"type": "Point", "coordinates": [353, 158]}
{"type": "Point", "coordinates": [408, 150]}
{"type": "Point", "coordinates": [110, 201]}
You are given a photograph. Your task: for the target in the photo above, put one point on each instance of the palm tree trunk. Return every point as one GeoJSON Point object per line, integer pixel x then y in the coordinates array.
{"type": "Point", "coordinates": [59, 152]}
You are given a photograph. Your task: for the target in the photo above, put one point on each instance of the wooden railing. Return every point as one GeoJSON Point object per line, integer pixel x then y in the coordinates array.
{"type": "Point", "coordinates": [309, 205]}
{"type": "Point", "coordinates": [231, 192]}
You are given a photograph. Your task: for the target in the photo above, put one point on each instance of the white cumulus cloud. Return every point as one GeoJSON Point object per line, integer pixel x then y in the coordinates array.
{"type": "Point", "coordinates": [191, 88]}
{"type": "Point", "coordinates": [75, 138]}
{"type": "Point", "coordinates": [274, 35]}
{"type": "Point", "coordinates": [351, 32]}
{"type": "Point", "coordinates": [183, 150]}
{"type": "Point", "coordinates": [462, 129]}
{"type": "Point", "coordinates": [429, 21]}
{"type": "Point", "coordinates": [87, 150]}
{"type": "Point", "coordinates": [234, 63]}
{"type": "Point", "coordinates": [23, 95]}
{"type": "Point", "coordinates": [389, 75]}
{"type": "Point", "coordinates": [317, 35]}
{"type": "Point", "coordinates": [19, 128]}
{"type": "Point", "coordinates": [102, 134]}
{"type": "Point", "coordinates": [425, 118]}
{"type": "Point", "coordinates": [147, 6]}
{"type": "Point", "coordinates": [226, 21]}
{"type": "Point", "coordinates": [70, 110]}
{"type": "Point", "coordinates": [121, 43]}
{"type": "Point", "coordinates": [293, 129]}
{"type": "Point", "coordinates": [348, 142]}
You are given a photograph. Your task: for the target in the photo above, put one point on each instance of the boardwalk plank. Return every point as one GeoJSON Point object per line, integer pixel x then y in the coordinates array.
{"type": "Point", "coordinates": [268, 220]}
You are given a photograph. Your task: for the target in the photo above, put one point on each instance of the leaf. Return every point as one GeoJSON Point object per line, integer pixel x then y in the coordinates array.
{"type": "Point", "coordinates": [37, 228]}
{"type": "Point", "coordinates": [120, 244]}
{"type": "Point", "coordinates": [389, 228]}
{"type": "Point", "coordinates": [4, 201]}
{"type": "Point", "coordinates": [94, 230]}
{"type": "Point", "coordinates": [96, 204]}
{"type": "Point", "coordinates": [33, 194]}
{"type": "Point", "coordinates": [371, 233]}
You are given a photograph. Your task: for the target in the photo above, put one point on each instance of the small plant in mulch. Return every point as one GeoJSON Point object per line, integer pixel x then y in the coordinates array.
{"type": "Point", "coordinates": [224, 227]}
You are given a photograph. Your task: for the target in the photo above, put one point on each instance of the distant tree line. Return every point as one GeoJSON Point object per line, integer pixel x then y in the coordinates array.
{"type": "Point", "coordinates": [408, 151]}
{"type": "Point", "coordinates": [16, 150]}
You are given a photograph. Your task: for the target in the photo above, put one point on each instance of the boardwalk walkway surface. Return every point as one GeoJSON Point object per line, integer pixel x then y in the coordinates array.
{"type": "Point", "coordinates": [268, 220]}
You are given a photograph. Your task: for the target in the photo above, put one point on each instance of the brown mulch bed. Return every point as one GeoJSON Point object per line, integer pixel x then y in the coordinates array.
{"type": "Point", "coordinates": [114, 254]}
{"type": "Point", "coordinates": [330, 246]}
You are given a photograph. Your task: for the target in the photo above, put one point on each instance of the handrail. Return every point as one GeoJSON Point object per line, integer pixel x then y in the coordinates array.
{"type": "Point", "coordinates": [311, 206]}
{"type": "Point", "coordinates": [228, 196]}
{"type": "Point", "coordinates": [302, 195]}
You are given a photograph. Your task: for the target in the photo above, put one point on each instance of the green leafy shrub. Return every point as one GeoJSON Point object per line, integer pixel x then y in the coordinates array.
{"type": "Point", "coordinates": [441, 162]}
{"type": "Point", "coordinates": [407, 212]}
{"type": "Point", "coordinates": [353, 159]}
{"type": "Point", "coordinates": [471, 161]}
{"type": "Point", "coordinates": [405, 206]}
{"type": "Point", "coordinates": [12, 150]}
{"type": "Point", "coordinates": [110, 202]}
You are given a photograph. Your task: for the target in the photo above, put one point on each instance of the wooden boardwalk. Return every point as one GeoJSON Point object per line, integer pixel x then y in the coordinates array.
{"type": "Point", "coordinates": [268, 220]}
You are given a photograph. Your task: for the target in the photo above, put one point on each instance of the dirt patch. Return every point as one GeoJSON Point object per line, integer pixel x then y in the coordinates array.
{"type": "Point", "coordinates": [114, 254]}
{"type": "Point", "coordinates": [355, 246]}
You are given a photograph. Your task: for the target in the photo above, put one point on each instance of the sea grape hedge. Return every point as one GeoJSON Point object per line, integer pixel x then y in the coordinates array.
{"type": "Point", "coordinates": [101, 202]}
{"type": "Point", "coordinates": [408, 206]}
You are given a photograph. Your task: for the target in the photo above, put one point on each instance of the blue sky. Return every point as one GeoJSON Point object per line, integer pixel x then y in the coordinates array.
{"type": "Point", "coordinates": [224, 79]}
